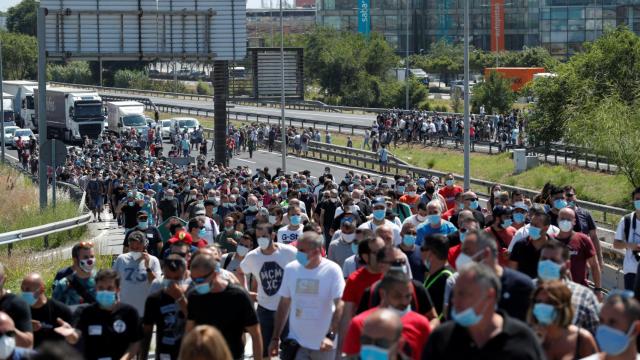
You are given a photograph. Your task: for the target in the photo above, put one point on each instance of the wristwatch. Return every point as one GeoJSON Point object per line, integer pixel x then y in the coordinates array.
{"type": "Point", "coordinates": [331, 335]}
{"type": "Point", "coordinates": [149, 270]}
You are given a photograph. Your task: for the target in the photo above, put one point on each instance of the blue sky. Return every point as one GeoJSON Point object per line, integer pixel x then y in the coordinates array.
{"type": "Point", "coordinates": [5, 4]}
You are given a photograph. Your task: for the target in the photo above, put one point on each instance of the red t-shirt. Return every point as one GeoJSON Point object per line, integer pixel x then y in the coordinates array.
{"type": "Point", "coordinates": [449, 195]}
{"type": "Point", "coordinates": [454, 252]}
{"type": "Point", "coordinates": [448, 214]}
{"type": "Point", "coordinates": [357, 283]}
{"type": "Point", "coordinates": [503, 238]}
{"type": "Point", "coordinates": [581, 249]}
{"type": "Point", "coordinates": [412, 201]}
{"type": "Point", "coordinates": [415, 331]}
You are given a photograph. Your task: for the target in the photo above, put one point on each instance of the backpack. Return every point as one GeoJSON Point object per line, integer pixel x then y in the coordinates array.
{"type": "Point", "coordinates": [627, 225]}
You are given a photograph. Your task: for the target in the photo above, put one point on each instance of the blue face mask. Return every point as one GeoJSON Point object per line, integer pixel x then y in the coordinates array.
{"type": "Point", "coordinates": [372, 352]}
{"type": "Point", "coordinates": [559, 204]}
{"type": "Point", "coordinates": [29, 297]}
{"type": "Point", "coordinates": [130, 203]}
{"type": "Point", "coordinates": [379, 214]}
{"type": "Point", "coordinates": [506, 223]}
{"type": "Point", "coordinates": [460, 206]}
{"type": "Point", "coordinates": [106, 299]}
{"type": "Point", "coordinates": [544, 313]}
{"type": "Point", "coordinates": [534, 232]}
{"type": "Point", "coordinates": [354, 248]}
{"type": "Point", "coordinates": [203, 288]}
{"type": "Point", "coordinates": [519, 218]}
{"type": "Point", "coordinates": [636, 204]}
{"type": "Point", "coordinates": [295, 220]}
{"type": "Point", "coordinates": [474, 204]}
{"type": "Point", "coordinates": [449, 182]}
{"type": "Point", "coordinates": [612, 341]}
{"type": "Point", "coordinates": [409, 240]}
{"type": "Point", "coordinates": [303, 190]}
{"type": "Point", "coordinates": [143, 224]}
{"type": "Point", "coordinates": [462, 234]}
{"type": "Point", "coordinates": [202, 232]}
{"type": "Point", "coordinates": [548, 270]}
{"type": "Point", "coordinates": [466, 318]}
{"type": "Point", "coordinates": [433, 219]}
{"type": "Point", "coordinates": [400, 189]}
{"type": "Point", "coordinates": [302, 258]}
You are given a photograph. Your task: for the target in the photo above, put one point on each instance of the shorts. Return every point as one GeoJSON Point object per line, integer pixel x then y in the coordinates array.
{"type": "Point", "coordinates": [97, 201]}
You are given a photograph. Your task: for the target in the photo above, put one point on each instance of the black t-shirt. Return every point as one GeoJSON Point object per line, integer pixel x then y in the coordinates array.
{"type": "Point", "coordinates": [162, 311]}
{"type": "Point", "coordinates": [527, 257]}
{"type": "Point", "coordinates": [515, 342]}
{"type": "Point", "coordinates": [329, 211]}
{"type": "Point", "coordinates": [584, 221]}
{"type": "Point", "coordinates": [18, 310]}
{"type": "Point", "coordinates": [169, 208]}
{"type": "Point", "coordinates": [435, 285]}
{"type": "Point", "coordinates": [48, 315]}
{"type": "Point", "coordinates": [516, 293]}
{"type": "Point", "coordinates": [108, 334]}
{"type": "Point", "coordinates": [371, 298]}
{"type": "Point", "coordinates": [230, 311]}
{"type": "Point", "coordinates": [418, 270]}
{"type": "Point", "coordinates": [130, 215]}
{"type": "Point", "coordinates": [153, 238]}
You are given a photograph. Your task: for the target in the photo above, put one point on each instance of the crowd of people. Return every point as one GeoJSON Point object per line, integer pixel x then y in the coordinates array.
{"type": "Point", "coordinates": [316, 266]}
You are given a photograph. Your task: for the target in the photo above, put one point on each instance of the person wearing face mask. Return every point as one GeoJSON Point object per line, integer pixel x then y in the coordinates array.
{"type": "Point", "coordinates": [554, 264]}
{"type": "Point", "coordinates": [340, 248]}
{"type": "Point", "coordinates": [412, 251]}
{"type": "Point", "coordinates": [516, 287]}
{"type": "Point", "coordinates": [584, 221]}
{"type": "Point", "coordinates": [9, 350]}
{"type": "Point", "coordinates": [581, 249]}
{"type": "Point", "coordinates": [382, 336]}
{"type": "Point", "coordinates": [550, 316]}
{"type": "Point", "coordinates": [523, 233]}
{"type": "Point", "coordinates": [231, 261]}
{"type": "Point", "coordinates": [154, 239]}
{"type": "Point", "coordinates": [325, 211]}
{"type": "Point", "coordinates": [434, 255]}
{"type": "Point", "coordinates": [627, 238]}
{"type": "Point", "coordinates": [525, 254]}
{"type": "Point", "coordinates": [396, 292]}
{"type": "Point", "coordinates": [44, 311]}
{"type": "Point", "coordinates": [229, 236]}
{"type": "Point", "coordinates": [166, 309]}
{"type": "Point", "coordinates": [212, 291]}
{"type": "Point", "coordinates": [168, 206]}
{"type": "Point", "coordinates": [108, 328]}
{"type": "Point", "coordinates": [502, 231]}
{"type": "Point", "coordinates": [557, 202]}
{"type": "Point", "coordinates": [137, 269]}
{"type": "Point", "coordinates": [266, 264]}
{"type": "Point", "coordinates": [310, 298]}
{"type": "Point", "coordinates": [449, 191]}
{"type": "Point", "coordinates": [411, 197]}
{"type": "Point", "coordinates": [275, 217]}
{"type": "Point", "coordinates": [434, 224]}
{"type": "Point", "coordinates": [470, 202]}
{"type": "Point", "coordinates": [293, 231]}
{"type": "Point", "coordinates": [430, 194]}
{"type": "Point", "coordinates": [78, 286]}
{"type": "Point", "coordinates": [95, 196]}
{"type": "Point", "coordinates": [249, 214]}
{"type": "Point", "coordinates": [617, 334]}
{"type": "Point", "coordinates": [209, 220]}
{"type": "Point", "coordinates": [129, 208]}
{"type": "Point", "coordinates": [466, 222]}
{"type": "Point", "coordinates": [519, 215]}
{"type": "Point", "coordinates": [478, 330]}
{"type": "Point", "coordinates": [348, 212]}
{"type": "Point", "coordinates": [378, 219]}
{"type": "Point", "coordinates": [419, 217]}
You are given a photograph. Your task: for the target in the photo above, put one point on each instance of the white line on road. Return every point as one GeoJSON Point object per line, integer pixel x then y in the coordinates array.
{"type": "Point", "coordinates": [251, 162]}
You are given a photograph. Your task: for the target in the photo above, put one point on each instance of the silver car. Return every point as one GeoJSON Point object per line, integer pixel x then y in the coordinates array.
{"type": "Point", "coordinates": [22, 134]}
{"type": "Point", "coordinates": [8, 134]}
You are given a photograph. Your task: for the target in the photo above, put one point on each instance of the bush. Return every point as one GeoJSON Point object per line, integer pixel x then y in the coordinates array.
{"type": "Point", "coordinates": [203, 88]}
{"type": "Point", "coordinates": [75, 72]}
{"type": "Point", "coordinates": [134, 79]}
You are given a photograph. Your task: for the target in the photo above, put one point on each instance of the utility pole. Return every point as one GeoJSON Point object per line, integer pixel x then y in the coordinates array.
{"type": "Point", "coordinates": [406, 56]}
{"type": "Point", "coordinates": [282, 98]}
{"type": "Point", "coordinates": [467, 133]}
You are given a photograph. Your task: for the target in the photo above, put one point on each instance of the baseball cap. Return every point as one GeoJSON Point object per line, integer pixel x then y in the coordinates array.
{"type": "Point", "coordinates": [199, 209]}
{"type": "Point", "coordinates": [181, 236]}
{"type": "Point", "coordinates": [520, 205]}
{"type": "Point", "coordinates": [378, 201]}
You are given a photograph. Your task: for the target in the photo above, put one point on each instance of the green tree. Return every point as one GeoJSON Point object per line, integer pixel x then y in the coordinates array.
{"type": "Point", "coordinates": [457, 101]}
{"type": "Point", "coordinates": [75, 72]}
{"type": "Point", "coordinates": [19, 56]}
{"type": "Point", "coordinates": [23, 17]}
{"type": "Point", "coordinates": [547, 119]}
{"type": "Point", "coordinates": [494, 93]}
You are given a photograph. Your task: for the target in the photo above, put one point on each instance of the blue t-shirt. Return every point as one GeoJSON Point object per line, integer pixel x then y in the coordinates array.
{"type": "Point", "coordinates": [425, 229]}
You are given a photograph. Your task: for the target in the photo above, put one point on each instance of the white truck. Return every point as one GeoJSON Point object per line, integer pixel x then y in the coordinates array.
{"type": "Point", "coordinates": [9, 115]}
{"type": "Point", "coordinates": [122, 116]}
{"type": "Point", "coordinates": [23, 103]}
{"type": "Point", "coordinates": [72, 113]}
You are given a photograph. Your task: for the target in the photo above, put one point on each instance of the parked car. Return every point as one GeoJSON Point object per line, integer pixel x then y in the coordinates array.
{"type": "Point", "coordinates": [8, 134]}
{"type": "Point", "coordinates": [165, 128]}
{"type": "Point", "coordinates": [184, 123]}
{"type": "Point", "coordinates": [22, 134]}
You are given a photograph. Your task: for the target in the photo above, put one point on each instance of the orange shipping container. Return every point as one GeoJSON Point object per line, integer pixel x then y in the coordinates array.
{"type": "Point", "coordinates": [519, 76]}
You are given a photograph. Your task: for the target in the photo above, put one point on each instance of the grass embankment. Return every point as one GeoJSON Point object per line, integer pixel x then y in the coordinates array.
{"type": "Point", "coordinates": [19, 209]}
{"type": "Point", "coordinates": [598, 187]}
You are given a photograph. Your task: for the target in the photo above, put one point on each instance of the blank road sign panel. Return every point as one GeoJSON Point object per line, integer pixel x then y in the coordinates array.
{"type": "Point", "coordinates": [270, 74]}
{"type": "Point", "coordinates": [163, 29]}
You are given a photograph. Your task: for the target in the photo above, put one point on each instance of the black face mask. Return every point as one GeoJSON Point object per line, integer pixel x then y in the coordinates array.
{"type": "Point", "coordinates": [430, 190]}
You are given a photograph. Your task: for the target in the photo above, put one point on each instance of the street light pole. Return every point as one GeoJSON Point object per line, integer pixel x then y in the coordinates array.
{"type": "Point", "coordinates": [467, 133]}
{"type": "Point", "coordinates": [406, 57]}
{"type": "Point", "coordinates": [282, 98]}
{"type": "Point", "coordinates": [2, 105]}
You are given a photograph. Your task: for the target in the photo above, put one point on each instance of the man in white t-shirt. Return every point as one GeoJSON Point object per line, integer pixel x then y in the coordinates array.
{"type": "Point", "coordinates": [293, 231]}
{"type": "Point", "coordinates": [379, 212]}
{"type": "Point", "coordinates": [523, 233]}
{"type": "Point", "coordinates": [628, 239]}
{"type": "Point", "coordinates": [137, 270]}
{"type": "Point", "coordinates": [266, 263]}
{"type": "Point", "coordinates": [310, 296]}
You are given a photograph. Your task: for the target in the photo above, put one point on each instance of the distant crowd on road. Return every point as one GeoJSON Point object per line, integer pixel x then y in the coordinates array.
{"type": "Point", "coordinates": [315, 266]}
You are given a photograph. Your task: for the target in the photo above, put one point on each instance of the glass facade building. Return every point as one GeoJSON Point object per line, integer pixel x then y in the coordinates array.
{"type": "Point", "coordinates": [561, 26]}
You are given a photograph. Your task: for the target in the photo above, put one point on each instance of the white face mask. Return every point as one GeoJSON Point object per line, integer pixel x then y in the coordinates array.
{"type": "Point", "coordinates": [7, 346]}
{"type": "Point", "coordinates": [136, 255]}
{"type": "Point", "coordinates": [348, 238]}
{"type": "Point", "coordinates": [264, 242]}
{"type": "Point", "coordinates": [421, 218]}
{"type": "Point", "coordinates": [402, 312]}
{"type": "Point", "coordinates": [242, 250]}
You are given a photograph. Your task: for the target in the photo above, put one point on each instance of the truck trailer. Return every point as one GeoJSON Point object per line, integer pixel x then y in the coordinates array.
{"type": "Point", "coordinates": [23, 104]}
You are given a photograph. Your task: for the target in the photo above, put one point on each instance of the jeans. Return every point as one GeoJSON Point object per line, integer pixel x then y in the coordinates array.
{"type": "Point", "coordinates": [308, 354]}
{"type": "Point", "coordinates": [267, 318]}
{"type": "Point", "coordinates": [629, 281]}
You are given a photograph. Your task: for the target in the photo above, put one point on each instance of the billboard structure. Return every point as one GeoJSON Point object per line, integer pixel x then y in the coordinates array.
{"type": "Point", "coordinates": [198, 30]}
{"type": "Point", "coordinates": [267, 73]}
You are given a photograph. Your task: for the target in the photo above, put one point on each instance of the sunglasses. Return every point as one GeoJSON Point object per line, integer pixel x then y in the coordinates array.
{"type": "Point", "coordinates": [202, 279]}
{"type": "Point", "coordinates": [175, 264]}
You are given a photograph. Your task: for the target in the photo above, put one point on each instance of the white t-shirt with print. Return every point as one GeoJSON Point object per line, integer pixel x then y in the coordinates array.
{"type": "Point", "coordinates": [134, 284]}
{"type": "Point", "coordinates": [287, 236]}
{"type": "Point", "coordinates": [629, 265]}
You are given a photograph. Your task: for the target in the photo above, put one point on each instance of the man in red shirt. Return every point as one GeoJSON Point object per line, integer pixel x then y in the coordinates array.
{"type": "Point", "coordinates": [372, 252]}
{"type": "Point", "coordinates": [411, 197]}
{"type": "Point", "coordinates": [449, 191]}
{"type": "Point", "coordinates": [395, 294]}
{"type": "Point", "coordinates": [502, 231]}
{"type": "Point", "coordinates": [466, 223]}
